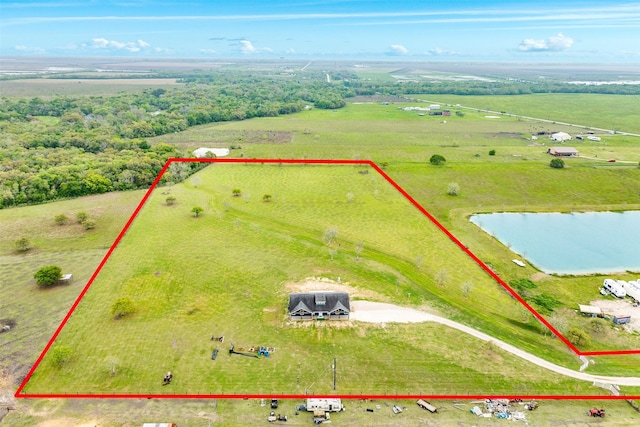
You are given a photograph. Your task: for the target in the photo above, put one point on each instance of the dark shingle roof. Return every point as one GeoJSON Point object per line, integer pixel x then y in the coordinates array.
{"type": "Point", "coordinates": [309, 301]}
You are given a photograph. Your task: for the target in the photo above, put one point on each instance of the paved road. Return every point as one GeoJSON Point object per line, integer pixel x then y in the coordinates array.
{"type": "Point", "coordinates": [374, 312]}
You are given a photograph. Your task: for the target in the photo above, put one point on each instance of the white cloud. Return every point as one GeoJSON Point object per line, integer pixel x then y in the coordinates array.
{"type": "Point", "coordinates": [397, 49]}
{"type": "Point", "coordinates": [556, 43]}
{"type": "Point", "coordinates": [441, 52]}
{"type": "Point", "coordinates": [248, 48]}
{"type": "Point", "coordinates": [209, 51]}
{"type": "Point", "coordinates": [136, 46]}
{"type": "Point", "coordinates": [23, 48]}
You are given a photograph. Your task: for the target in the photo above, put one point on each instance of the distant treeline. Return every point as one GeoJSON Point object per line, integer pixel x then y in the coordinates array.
{"type": "Point", "coordinates": [74, 146]}
{"type": "Point", "coordinates": [485, 88]}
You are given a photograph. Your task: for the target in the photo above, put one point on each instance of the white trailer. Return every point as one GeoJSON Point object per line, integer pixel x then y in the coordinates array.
{"type": "Point", "coordinates": [633, 289]}
{"type": "Point", "coordinates": [329, 405]}
{"type": "Point", "coordinates": [615, 287]}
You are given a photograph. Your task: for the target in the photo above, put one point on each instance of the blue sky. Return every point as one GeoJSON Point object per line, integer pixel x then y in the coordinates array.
{"type": "Point", "coordinates": [551, 31]}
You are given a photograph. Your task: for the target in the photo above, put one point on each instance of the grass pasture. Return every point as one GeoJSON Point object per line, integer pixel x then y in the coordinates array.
{"type": "Point", "coordinates": [226, 272]}
{"type": "Point", "coordinates": [47, 87]}
{"type": "Point", "coordinates": [617, 112]}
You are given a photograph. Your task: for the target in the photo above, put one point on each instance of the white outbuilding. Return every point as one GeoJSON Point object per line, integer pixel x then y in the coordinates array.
{"type": "Point", "coordinates": [218, 152]}
{"type": "Point", "coordinates": [560, 136]}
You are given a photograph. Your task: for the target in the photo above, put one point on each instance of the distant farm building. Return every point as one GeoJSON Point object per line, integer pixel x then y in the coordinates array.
{"type": "Point", "coordinates": [217, 152]}
{"type": "Point", "coordinates": [319, 305]}
{"type": "Point", "coordinates": [560, 136]}
{"type": "Point", "coordinates": [563, 151]}
{"type": "Point", "coordinates": [434, 106]}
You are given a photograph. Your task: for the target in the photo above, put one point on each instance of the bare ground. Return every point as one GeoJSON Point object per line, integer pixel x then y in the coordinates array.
{"type": "Point", "coordinates": [621, 307]}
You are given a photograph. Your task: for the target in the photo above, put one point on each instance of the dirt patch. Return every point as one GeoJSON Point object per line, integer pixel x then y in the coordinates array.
{"type": "Point", "coordinates": [378, 312]}
{"type": "Point", "coordinates": [68, 422]}
{"type": "Point", "coordinates": [538, 277]}
{"type": "Point", "coordinates": [7, 325]}
{"type": "Point", "coordinates": [621, 307]}
{"type": "Point", "coordinates": [311, 284]}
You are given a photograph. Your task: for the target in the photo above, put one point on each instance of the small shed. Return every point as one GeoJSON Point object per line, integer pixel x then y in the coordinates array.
{"type": "Point", "coordinates": [563, 151]}
{"type": "Point", "coordinates": [590, 310]}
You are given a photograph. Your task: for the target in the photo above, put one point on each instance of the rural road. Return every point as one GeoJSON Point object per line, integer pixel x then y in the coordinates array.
{"type": "Point", "coordinates": [375, 312]}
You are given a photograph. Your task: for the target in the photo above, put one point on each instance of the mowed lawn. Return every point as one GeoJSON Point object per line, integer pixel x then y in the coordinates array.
{"type": "Point", "coordinates": [228, 272]}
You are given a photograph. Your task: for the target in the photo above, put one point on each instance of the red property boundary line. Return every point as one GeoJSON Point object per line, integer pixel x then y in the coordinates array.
{"type": "Point", "coordinates": [20, 394]}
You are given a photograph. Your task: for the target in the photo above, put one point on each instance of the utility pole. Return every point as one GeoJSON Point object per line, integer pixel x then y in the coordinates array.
{"type": "Point", "coordinates": [334, 372]}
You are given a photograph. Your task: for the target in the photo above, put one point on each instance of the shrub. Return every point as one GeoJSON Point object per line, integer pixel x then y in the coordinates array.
{"type": "Point", "coordinates": [196, 211]}
{"type": "Point", "coordinates": [492, 152]}
{"type": "Point", "coordinates": [453, 189]}
{"type": "Point", "coordinates": [437, 159]}
{"type": "Point", "coordinates": [61, 354]}
{"type": "Point", "coordinates": [266, 198]}
{"type": "Point", "coordinates": [236, 192]}
{"type": "Point", "coordinates": [578, 337]}
{"type": "Point", "coordinates": [170, 200]}
{"type": "Point", "coordinates": [546, 302]}
{"type": "Point", "coordinates": [22, 244]}
{"type": "Point", "coordinates": [598, 326]}
{"type": "Point", "coordinates": [557, 163]}
{"type": "Point", "coordinates": [48, 276]}
{"type": "Point", "coordinates": [61, 219]}
{"type": "Point", "coordinates": [122, 307]}
{"type": "Point", "coordinates": [89, 224]}
{"type": "Point", "coordinates": [81, 217]}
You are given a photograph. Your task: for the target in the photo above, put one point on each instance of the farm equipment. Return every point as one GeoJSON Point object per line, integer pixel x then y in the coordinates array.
{"type": "Point", "coordinates": [272, 417]}
{"type": "Point", "coordinates": [274, 403]}
{"type": "Point", "coordinates": [595, 412]}
{"type": "Point", "coordinates": [262, 351]}
{"type": "Point", "coordinates": [219, 339]}
{"type": "Point", "coordinates": [232, 351]}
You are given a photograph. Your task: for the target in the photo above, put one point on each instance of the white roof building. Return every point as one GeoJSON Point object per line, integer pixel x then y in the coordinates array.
{"type": "Point", "coordinates": [560, 136]}
{"type": "Point", "coordinates": [218, 152]}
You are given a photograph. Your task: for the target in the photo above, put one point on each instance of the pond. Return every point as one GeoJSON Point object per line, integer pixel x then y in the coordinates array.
{"type": "Point", "coordinates": [569, 243]}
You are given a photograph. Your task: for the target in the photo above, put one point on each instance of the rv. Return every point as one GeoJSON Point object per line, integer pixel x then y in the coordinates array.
{"type": "Point", "coordinates": [615, 287]}
{"type": "Point", "coordinates": [633, 289]}
{"type": "Point", "coordinates": [329, 405]}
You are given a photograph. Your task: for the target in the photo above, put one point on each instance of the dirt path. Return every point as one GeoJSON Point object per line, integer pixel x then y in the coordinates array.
{"type": "Point", "coordinates": [374, 312]}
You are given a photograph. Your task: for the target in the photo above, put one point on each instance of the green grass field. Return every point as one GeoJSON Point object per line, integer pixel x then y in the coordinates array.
{"type": "Point", "coordinates": [226, 273]}
{"type": "Point", "coordinates": [617, 112]}
{"type": "Point", "coordinates": [47, 87]}
{"type": "Point", "coordinates": [517, 178]}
